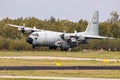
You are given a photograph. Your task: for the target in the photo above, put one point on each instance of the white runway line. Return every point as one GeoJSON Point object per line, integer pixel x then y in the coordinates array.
{"type": "Point", "coordinates": [55, 58]}
{"type": "Point", "coordinates": [52, 77]}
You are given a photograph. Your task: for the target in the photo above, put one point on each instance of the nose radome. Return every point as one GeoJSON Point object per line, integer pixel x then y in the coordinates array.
{"type": "Point", "coordinates": [29, 40]}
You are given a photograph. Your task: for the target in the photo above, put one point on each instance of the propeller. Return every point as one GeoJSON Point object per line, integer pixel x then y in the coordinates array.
{"type": "Point", "coordinates": [23, 24]}
{"type": "Point", "coordinates": [75, 32]}
{"type": "Point", "coordinates": [23, 28]}
{"type": "Point", "coordinates": [76, 36]}
{"type": "Point", "coordinates": [34, 28]}
{"type": "Point", "coordinates": [63, 35]}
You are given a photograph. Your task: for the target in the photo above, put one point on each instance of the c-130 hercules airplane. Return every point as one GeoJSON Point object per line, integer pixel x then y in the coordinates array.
{"type": "Point", "coordinates": [63, 40]}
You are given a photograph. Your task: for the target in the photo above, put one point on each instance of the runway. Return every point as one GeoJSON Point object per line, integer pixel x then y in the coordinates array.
{"type": "Point", "coordinates": [59, 67]}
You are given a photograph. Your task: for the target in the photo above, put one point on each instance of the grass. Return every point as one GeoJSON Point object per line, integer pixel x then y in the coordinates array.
{"type": "Point", "coordinates": [66, 73]}
{"type": "Point", "coordinates": [90, 54]}
{"type": "Point", "coordinates": [26, 62]}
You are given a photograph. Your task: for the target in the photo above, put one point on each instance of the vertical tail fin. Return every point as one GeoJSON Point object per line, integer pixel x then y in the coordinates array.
{"type": "Point", "coordinates": [92, 28]}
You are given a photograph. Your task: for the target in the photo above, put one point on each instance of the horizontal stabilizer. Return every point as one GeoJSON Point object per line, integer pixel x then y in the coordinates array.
{"type": "Point", "coordinates": [97, 37]}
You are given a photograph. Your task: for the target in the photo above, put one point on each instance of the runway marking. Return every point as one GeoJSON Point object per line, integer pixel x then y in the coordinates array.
{"type": "Point", "coordinates": [56, 58]}
{"type": "Point", "coordinates": [52, 77]}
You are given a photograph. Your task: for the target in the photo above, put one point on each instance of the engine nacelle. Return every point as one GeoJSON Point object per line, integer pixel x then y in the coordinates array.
{"type": "Point", "coordinates": [25, 30]}
{"type": "Point", "coordinates": [81, 38]}
{"type": "Point", "coordinates": [65, 36]}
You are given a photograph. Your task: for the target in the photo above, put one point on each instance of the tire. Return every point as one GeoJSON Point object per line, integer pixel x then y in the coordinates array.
{"type": "Point", "coordinates": [64, 49]}
{"type": "Point", "coordinates": [34, 47]}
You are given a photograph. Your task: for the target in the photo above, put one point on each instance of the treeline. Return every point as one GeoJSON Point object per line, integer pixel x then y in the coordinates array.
{"type": "Point", "coordinates": [12, 39]}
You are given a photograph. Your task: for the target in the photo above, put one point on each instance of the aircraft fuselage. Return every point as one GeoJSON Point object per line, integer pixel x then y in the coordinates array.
{"type": "Point", "coordinates": [51, 39]}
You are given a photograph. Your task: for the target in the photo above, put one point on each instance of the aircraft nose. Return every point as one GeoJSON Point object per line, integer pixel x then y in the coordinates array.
{"type": "Point", "coordinates": [29, 40]}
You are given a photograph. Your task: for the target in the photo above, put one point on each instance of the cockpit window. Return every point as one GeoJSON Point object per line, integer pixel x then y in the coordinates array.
{"type": "Point", "coordinates": [35, 34]}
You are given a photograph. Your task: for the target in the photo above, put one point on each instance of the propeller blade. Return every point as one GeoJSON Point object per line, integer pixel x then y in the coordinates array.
{"type": "Point", "coordinates": [75, 31]}
{"type": "Point", "coordinates": [19, 29]}
{"type": "Point", "coordinates": [23, 24]}
{"type": "Point", "coordinates": [34, 27]}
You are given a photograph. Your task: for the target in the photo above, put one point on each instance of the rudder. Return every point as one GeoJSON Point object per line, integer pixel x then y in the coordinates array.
{"type": "Point", "coordinates": [92, 28]}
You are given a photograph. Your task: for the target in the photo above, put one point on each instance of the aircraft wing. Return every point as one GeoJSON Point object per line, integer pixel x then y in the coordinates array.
{"type": "Point", "coordinates": [20, 27]}
{"type": "Point", "coordinates": [14, 26]}
{"type": "Point", "coordinates": [24, 29]}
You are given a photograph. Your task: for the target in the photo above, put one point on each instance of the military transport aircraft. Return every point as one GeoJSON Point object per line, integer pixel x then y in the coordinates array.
{"type": "Point", "coordinates": [63, 40]}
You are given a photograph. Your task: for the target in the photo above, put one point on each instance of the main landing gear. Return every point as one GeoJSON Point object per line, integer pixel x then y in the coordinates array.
{"type": "Point", "coordinates": [64, 49]}
{"type": "Point", "coordinates": [53, 47]}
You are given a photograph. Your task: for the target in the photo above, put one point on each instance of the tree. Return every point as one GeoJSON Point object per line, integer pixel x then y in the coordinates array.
{"type": "Point", "coordinates": [114, 17]}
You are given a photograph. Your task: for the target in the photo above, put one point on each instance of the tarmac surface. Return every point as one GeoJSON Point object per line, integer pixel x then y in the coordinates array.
{"type": "Point", "coordinates": [53, 78]}
{"type": "Point", "coordinates": [59, 67]}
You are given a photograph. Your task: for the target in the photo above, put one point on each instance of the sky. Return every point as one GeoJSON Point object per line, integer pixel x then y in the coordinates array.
{"type": "Point", "coordinates": [73, 10]}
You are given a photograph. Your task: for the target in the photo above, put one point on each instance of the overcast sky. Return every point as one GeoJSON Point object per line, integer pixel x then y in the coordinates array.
{"type": "Point", "coordinates": [73, 10]}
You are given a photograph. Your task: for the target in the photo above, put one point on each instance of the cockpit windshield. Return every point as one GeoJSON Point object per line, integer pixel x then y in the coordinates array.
{"type": "Point", "coordinates": [35, 34]}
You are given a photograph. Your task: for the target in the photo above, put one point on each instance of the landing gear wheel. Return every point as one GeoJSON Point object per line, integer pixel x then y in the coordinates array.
{"type": "Point", "coordinates": [61, 49]}
{"type": "Point", "coordinates": [34, 47]}
{"type": "Point", "coordinates": [64, 49]}
{"type": "Point", "coordinates": [50, 48]}
{"type": "Point", "coordinates": [53, 47]}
